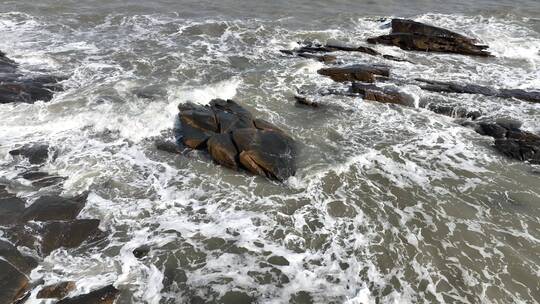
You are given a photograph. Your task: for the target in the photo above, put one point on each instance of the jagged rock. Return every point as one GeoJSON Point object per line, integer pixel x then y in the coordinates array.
{"type": "Point", "coordinates": [223, 150]}
{"type": "Point", "coordinates": [36, 153]}
{"type": "Point", "coordinates": [357, 72]}
{"type": "Point", "coordinates": [411, 35]}
{"type": "Point", "coordinates": [13, 283]}
{"type": "Point", "coordinates": [47, 208]}
{"type": "Point", "coordinates": [141, 251]}
{"type": "Point", "coordinates": [511, 141]}
{"type": "Point", "coordinates": [265, 152]}
{"type": "Point", "coordinates": [305, 101]}
{"type": "Point", "coordinates": [11, 207]}
{"type": "Point", "coordinates": [9, 252]}
{"type": "Point", "coordinates": [104, 295]}
{"type": "Point", "coordinates": [452, 87]}
{"type": "Point", "coordinates": [56, 291]}
{"type": "Point", "coordinates": [269, 154]}
{"type": "Point", "coordinates": [384, 95]}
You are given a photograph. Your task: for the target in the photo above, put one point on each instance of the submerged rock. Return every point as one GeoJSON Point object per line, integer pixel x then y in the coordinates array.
{"type": "Point", "coordinates": [411, 35]}
{"type": "Point", "coordinates": [235, 139]}
{"type": "Point", "coordinates": [104, 295]}
{"type": "Point", "coordinates": [35, 153]}
{"type": "Point", "coordinates": [57, 291]}
{"type": "Point", "coordinates": [13, 283]}
{"type": "Point", "coordinates": [357, 72]}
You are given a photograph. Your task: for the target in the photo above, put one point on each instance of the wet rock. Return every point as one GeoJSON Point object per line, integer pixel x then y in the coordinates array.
{"type": "Point", "coordinates": [311, 47]}
{"type": "Point", "coordinates": [394, 58]}
{"type": "Point", "coordinates": [411, 35]}
{"type": "Point", "coordinates": [454, 111]}
{"type": "Point", "coordinates": [301, 297]}
{"type": "Point", "coordinates": [52, 207]}
{"type": "Point", "coordinates": [57, 291]}
{"type": "Point", "coordinates": [35, 153]}
{"type": "Point", "coordinates": [41, 179]}
{"type": "Point", "coordinates": [28, 90]}
{"type": "Point", "coordinates": [104, 295]}
{"type": "Point", "coordinates": [357, 72]}
{"type": "Point", "coordinates": [530, 96]}
{"type": "Point", "coordinates": [278, 260]}
{"type": "Point", "coordinates": [236, 297]}
{"type": "Point", "coordinates": [13, 283]}
{"type": "Point", "coordinates": [383, 95]}
{"type": "Point", "coordinates": [512, 141]}
{"type": "Point", "coordinates": [141, 251]}
{"type": "Point", "coordinates": [305, 101]}
{"type": "Point", "coordinates": [263, 149]}
{"type": "Point", "coordinates": [223, 150]}
{"type": "Point", "coordinates": [265, 152]}
{"type": "Point", "coordinates": [321, 58]}
{"type": "Point", "coordinates": [167, 146]}
{"type": "Point", "coordinates": [11, 207]}
{"type": "Point", "coordinates": [10, 253]}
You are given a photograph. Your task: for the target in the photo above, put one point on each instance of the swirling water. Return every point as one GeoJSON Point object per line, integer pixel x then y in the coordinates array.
{"type": "Point", "coordinates": [389, 205]}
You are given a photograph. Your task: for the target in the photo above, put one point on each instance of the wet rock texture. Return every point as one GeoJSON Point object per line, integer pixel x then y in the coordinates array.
{"type": "Point", "coordinates": [236, 139]}
{"type": "Point", "coordinates": [416, 36]}
{"type": "Point", "coordinates": [16, 87]}
{"type": "Point", "coordinates": [58, 291]}
{"type": "Point", "coordinates": [357, 72]}
{"type": "Point", "coordinates": [104, 295]}
{"type": "Point", "coordinates": [511, 141]}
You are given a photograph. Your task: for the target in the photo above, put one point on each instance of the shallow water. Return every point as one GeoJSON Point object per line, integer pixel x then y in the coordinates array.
{"type": "Point", "coordinates": [389, 205]}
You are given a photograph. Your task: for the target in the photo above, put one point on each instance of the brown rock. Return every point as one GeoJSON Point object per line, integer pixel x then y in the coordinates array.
{"type": "Point", "coordinates": [363, 73]}
{"type": "Point", "coordinates": [68, 234]}
{"type": "Point", "coordinates": [57, 291]}
{"type": "Point", "coordinates": [11, 207]}
{"type": "Point", "coordinates": [10, 253]}
{"type": "Point", "coordinates": [223, 151]}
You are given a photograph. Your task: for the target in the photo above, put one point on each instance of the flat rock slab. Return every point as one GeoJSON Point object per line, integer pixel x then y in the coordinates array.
{"type": "Point", "coordinates": [13, 283]}
{"type": "Point", "coordinates": [416, 36]}
{"type": "Point", "coordinates": [357, 72]}
{"type": "Point", "coordinates": [56, 291]}
{"type": "Point", "coordinates": [271, 153]}
{"type": "Point", "coordinates": [49, 207]}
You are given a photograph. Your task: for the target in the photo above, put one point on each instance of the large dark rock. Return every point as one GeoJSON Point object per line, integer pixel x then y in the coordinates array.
{"type": "Point", "coordinates": [35, 153]}
{"type": "Point", "coordinates": [357, 72]}
{"type": "Point", "coordinates": [11, 207]}
{"type": "Point", "coordinates": [411, 35]}
{"type": "Point", "coordinates": [104, 295]}
{"type": "Point", "coordinates": [57, 291]}
{"type": "Point", "coordinates": [453, 87]}
{"type": "Point", "coordinates": [42, 179]}
{"type": "Point", "coordinates": [511, 141]}
{"type": "Point", "coordinates": [270, 152]}
{"type": "Point", "coordinates": [23, 263]}
{"type": "Point", "coordinates": [383, 95]}
{"type": "Point", "coordinates": [52, 207]}
{"type": "Point", "coordinates": [267, 153]}
{"type": "Point", "coordinates": [13, 283]}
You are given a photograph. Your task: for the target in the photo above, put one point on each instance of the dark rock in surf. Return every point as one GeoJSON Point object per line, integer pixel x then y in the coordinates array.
{"type": "Point", "coordinates": [56, 291]}
{"type": "Point", "coordinates": [452, 87]}
{"type": "Point", "coordinates": [48, 208]}
{"type": "Point", "coordinates": [321, 58]}
{"type": "Point", "coordinates": [411, 35]}
{"type": "Point", "coordinates": [11, 207]}
{"type": "Point", "coordinates": [13, 283]}
{"type": "Point", "coordinates": [141, 251]}
{"type": "Point", "coordinates": [305, 101]}
{"type": "Point", "coordinates": [35, 153]}
{"type": "Point", "coordinates": [215, 127]}
{"type": "Point", "coordinates": [383, 95]}
{"type": "Point", "coordinates": [41, 179]}
{"type": "Point", "coordinates": [104, 295]}
{"type": "Point", "coordinates": [358, 72]}
{"type": "Point", "coordinates": [511, 141]}
{"type": "Point", "coordinates": [454, 111]}
{"type": "Point", "coordinates": [10, 253]}
{"type": "Point", "coordinates": [167, 146]}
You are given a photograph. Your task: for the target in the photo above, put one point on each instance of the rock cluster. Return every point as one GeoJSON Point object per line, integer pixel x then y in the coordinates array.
{"type": "Point", "coordinates": [416, 36]}
{"type": "Point", "coordinates": [16, 87]}
{"type": "Point", "coordinates": [236, 139]}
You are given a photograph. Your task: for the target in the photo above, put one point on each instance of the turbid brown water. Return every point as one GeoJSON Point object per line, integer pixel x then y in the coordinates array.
{"type": "Point", "coordinates": [389, 205]}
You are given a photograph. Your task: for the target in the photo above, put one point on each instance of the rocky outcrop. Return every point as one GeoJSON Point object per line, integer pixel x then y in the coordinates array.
{"type": "Point", "coordinates": [357, 72]}
{"type": "Point", "coordinates": [10, 253]}
{"type": "Point", "coordinates": [236, 139]}
{"type": "Point", "coordinates": [454, 87]}
{"type": "Point", "coordinates": [303, 100]}
{"type": "Point", "coordinates": [52, 207]}
{"type": "Point", "coordinates": [56, 291]}
{"type": "Point", "coordinates": [416, 36]}
{"type": "Point", "coordinates": [16, 87]}
{"type": "Point", "coordinates": [104, 295]}
{"type": "Point", "coordinates": [35, 153]}
{"type": "Point", "coordinates": [511, 141]}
